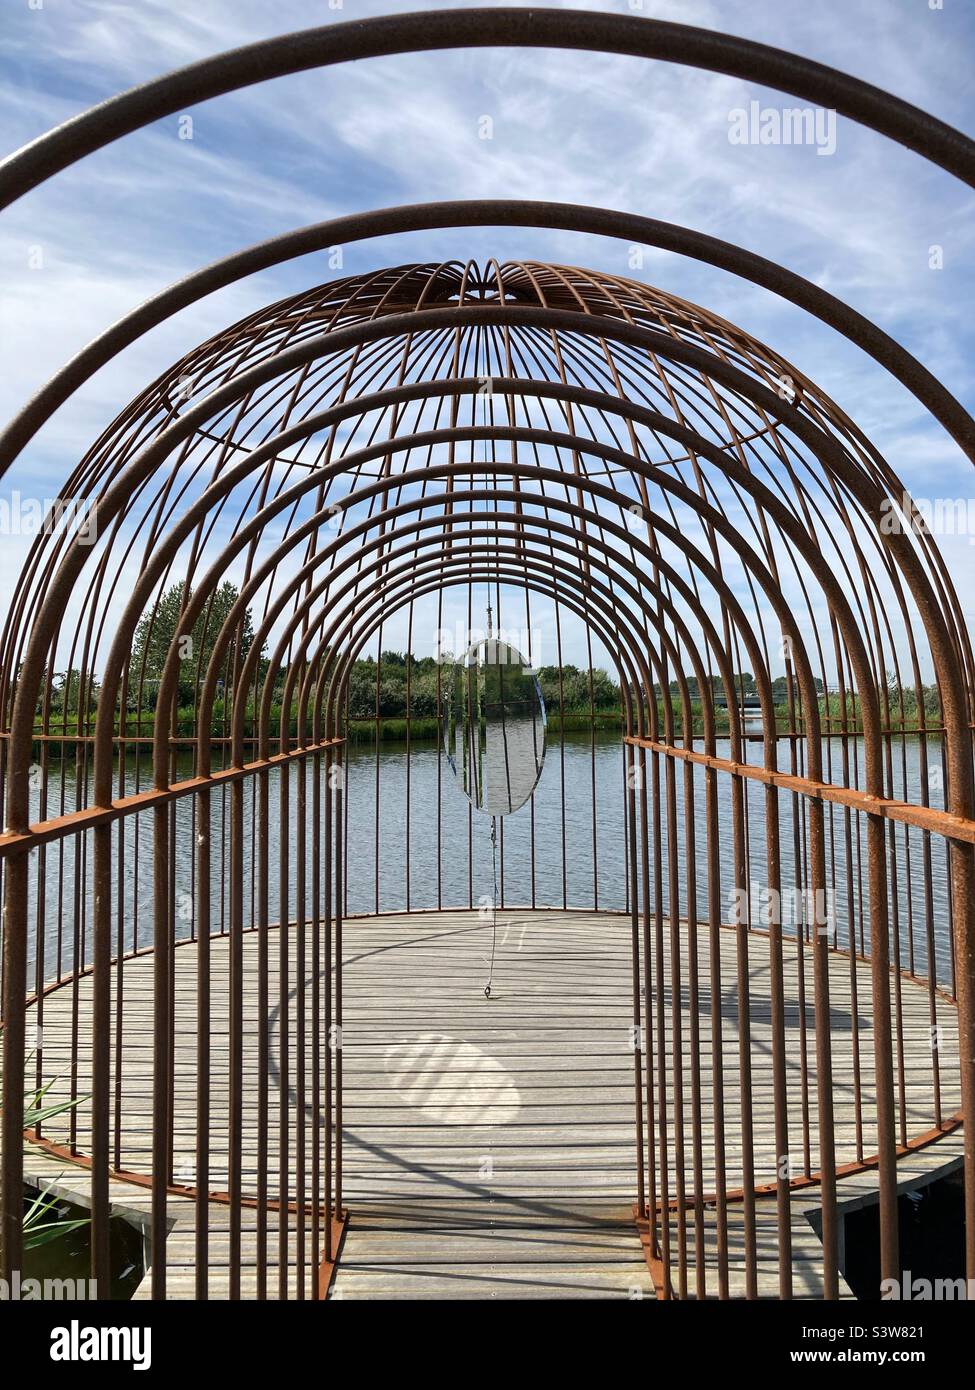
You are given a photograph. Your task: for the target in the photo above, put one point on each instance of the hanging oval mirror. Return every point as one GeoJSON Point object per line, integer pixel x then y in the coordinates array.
{"type": "Point", "coordinates": [494, 726]}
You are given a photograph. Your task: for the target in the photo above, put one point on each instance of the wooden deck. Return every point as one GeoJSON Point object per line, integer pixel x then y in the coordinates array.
{"type": "Point", "coordinates": [489, 1146]}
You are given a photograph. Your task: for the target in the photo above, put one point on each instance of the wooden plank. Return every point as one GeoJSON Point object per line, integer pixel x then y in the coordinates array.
{"type": "Point", "coordinates": [489, 1146]}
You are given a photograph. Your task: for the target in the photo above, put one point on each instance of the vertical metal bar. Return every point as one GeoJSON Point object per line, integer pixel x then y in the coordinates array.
{"type": "Point", "coordinates": [962, 864]}
{"type": "Point", "coordinates": [647, 943]}
{"type": "Point", "coordinates": [883, 1056]}
{"type": "Point", "coordinates": [203, 1135]}
{"type": "Point", "coordinates": [12, 1080]}
{"type": "Point", "coordinates": [101, 1036]}
{"type": "Point", "coordinates": [316, 964]}
{"type": "Point", "coordinates": [694, 1009]}
{"type": "Point", "coordinates": [284, 1066]}
{"type": "Point", "coordinates": [744, 1038]}
{"type": "Point", "coordinates": [121, 917]}
{"type": "Point", "coordinates": [300, 977]}
{"type": "Point", "coordinates": [658, 931]}
{"type": "Point", "coordinates": [329, 856]}
{"type": "Point", "coordinates": [161, 984]}
{"type": "Point", "coordinates": [676, 1024]}
{"type": "Point", "coordinates": [631, 820]}
{"type": "Point", "coordinates": [236, 1078]}
{"type": "Point", "coordinates": [263, 1025]}
{"type": "Point", "coordinates": [824, 1066]}
{"type": "Point", "coordinates": [339, 914]}
{"type": "Point", "coordinates": [717, 1025]}
{"type": "Point", "coordinates": [783, 1161]}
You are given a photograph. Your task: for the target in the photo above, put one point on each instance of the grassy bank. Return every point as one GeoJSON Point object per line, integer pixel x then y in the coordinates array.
{"type": "Point", "coordinates": [425, 728]}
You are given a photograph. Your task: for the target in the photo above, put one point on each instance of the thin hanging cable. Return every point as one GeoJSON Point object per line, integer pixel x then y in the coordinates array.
{"type": "Point", "coordinates": [494, 910]}
{"type": "Point", "coordinates": [494, 819]}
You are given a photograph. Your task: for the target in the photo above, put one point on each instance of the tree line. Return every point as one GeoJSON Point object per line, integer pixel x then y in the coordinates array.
{"type": "Point", "coordinates": [407, 685]}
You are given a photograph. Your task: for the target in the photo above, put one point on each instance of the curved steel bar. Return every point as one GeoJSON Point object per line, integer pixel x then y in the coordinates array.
{"type": "Point", "coordinates": [363, 226]}
{"type": "Point", "coordinates": [485, 28]}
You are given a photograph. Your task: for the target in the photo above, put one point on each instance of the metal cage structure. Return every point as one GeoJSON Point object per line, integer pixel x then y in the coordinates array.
{"type": "Point", "coordinates": [195, 845]}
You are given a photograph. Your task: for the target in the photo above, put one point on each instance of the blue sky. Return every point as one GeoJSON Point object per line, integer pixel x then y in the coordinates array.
{"type": "Point", "coordinates": [647, 138]}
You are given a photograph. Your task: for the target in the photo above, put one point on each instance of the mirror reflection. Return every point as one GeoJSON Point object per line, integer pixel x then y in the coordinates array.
{"type": "Point", "coordinates": [494, 726]}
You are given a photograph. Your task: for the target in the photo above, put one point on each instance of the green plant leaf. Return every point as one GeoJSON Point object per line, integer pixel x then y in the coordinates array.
{"type": "Point", "coordinates": [43, 1235]}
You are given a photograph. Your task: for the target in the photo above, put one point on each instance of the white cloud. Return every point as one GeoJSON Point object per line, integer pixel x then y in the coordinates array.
{"type": "Point", "coordinates": [650, 138]}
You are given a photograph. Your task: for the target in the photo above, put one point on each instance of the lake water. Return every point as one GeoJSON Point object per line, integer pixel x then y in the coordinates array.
{"type": "Point", "coordinates": [436, 851]}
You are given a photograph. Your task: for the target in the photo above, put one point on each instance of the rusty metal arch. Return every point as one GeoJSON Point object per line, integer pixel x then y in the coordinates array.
{"type": "Point", "coordinates": [491, 27]}
{"type": "Point", "coordinates": [884, 350]}
{"type": "Point", "coordinates": [821, 1001]}
{"type": "Point", "coordinates": [555, 319]}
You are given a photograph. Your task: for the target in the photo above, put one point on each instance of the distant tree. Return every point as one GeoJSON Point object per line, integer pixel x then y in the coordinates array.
{"type": "Point", "coordinates": [362, 691]}
{"type": "Point", "coordinates": [66, 692]}
{"type": "Point", "coordinates": [575, 688]}
{"type": "Point", "coordinates": [156, 633]}
{"type": "Point", "coordinates": [424, 675]}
